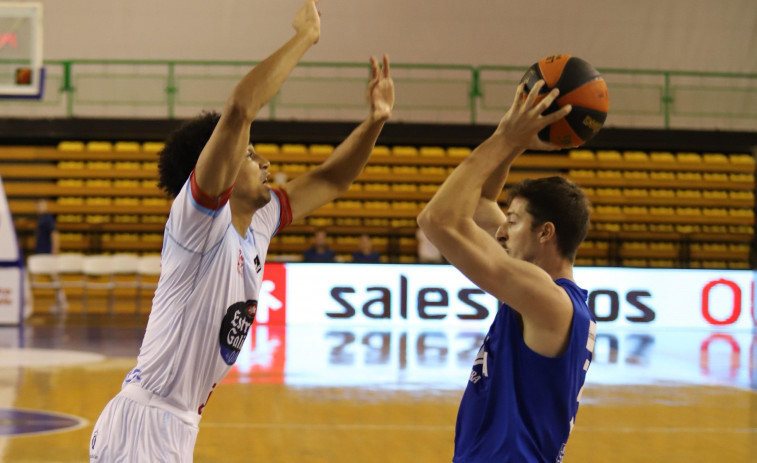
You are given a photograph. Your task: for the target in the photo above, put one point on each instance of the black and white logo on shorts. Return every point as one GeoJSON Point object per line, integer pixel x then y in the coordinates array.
{"type": "Point", "coordinates": [234, 328]}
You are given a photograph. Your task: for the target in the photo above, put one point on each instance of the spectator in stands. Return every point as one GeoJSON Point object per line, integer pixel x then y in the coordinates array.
{"type": "Point", "coordinates": [365, 254]}
{"type": "Point", "coordinates": [320, 250]}
{"type": "Point", "coordinates": [47, 241]}
{"type": "Point", "coordinates": [427, 252]}
{"type": "Point", "coordinates": [46, 236]}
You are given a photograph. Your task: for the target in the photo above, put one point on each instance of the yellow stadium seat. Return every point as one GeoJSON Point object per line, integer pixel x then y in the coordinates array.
{"type": "Point", "coordinates": [99, 165]}
{"type": "Point", "coordinates": [584, 155]}
{"type": "Point", "coordinates": [741, 177]}
{"type": "Point", "coordinates": [266, 149]}
{"type": "Point", "coordinates": [685, 157]}
{"type": "Point", "coordinates": [381, 150]}
{"type": "Point", "coordinates": [127, 146]}
{"type": "Point", "coordinates": [636, 174]}
{"type": "Point", "coordinates": [715, 158]}
{"type": "Point", "coordinates": [99, 146]}
{"type": "Point", "coordinates": [293, 149]}
{"type": "Point", "coordinates": [432, 151]}
{"type": "Point", "coordinates": [661, 156]}
{"type": "Point", "coordinates": [321, 150]}
{"type": "Point", "coordinates": [635, 156]}
{"type": "Point", "coordinates": [71, 146]}
{"type": "Point", "coordinates": [152, 146]}
{"type": "Point", "coordinates": [741, 158]}
{"type": "Point", "coordinates": [715, 177]}
{"type": "Point", "coordinates": [404, 151]}
{"type": "Point", "coordinates": [458, 151]}
{"type": "Point", "coordinates": [608, 155]}
{"type": "Point", "coordinates": [662, 175]}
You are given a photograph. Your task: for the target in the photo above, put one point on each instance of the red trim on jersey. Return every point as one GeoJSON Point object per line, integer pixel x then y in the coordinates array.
{"type": "Point", "coordinates": [285, 215]}
{"type": "Point", "coordinates": [206, 200]}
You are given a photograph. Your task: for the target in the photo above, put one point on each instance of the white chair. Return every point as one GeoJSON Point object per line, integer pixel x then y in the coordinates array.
{"type": "Point", "coordinates": [70, 270]}
{"type": "Point", "coordinates": [43, 274]}
{"type": "Point", "coordinates": [98, 275]}
{"type": "Point", "coordinates": [126, 273]}
{"type": "Point", "coordinates": [148, 273]}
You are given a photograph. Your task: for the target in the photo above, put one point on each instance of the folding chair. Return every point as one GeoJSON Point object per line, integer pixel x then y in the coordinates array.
{"type": "Point", "coordinates": [70, 270]}
{"type": "Point", "coordinates": [148, 273]}
{"type": "Point", "coordinates": [98, 275]}
{"type": "Point", "coordinates": [126, 273]}
{"type": "Point", "coordinates": [43, 274]}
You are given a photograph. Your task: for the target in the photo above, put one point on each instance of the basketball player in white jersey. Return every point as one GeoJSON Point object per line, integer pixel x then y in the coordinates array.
{"type": "Point", "coordinates": [216, 238]}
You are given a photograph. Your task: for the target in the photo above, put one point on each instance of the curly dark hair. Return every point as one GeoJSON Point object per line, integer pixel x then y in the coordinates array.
{"type": "Point", "coordinates": [182, 149]}
{"type": "Point", "coordinates": [560, 201]}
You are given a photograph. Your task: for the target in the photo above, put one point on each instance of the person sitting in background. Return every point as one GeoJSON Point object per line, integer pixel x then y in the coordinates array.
{"type": "Point", "coordinates": [46, 236]}
{"type": "Point", "coordinates": [365, 254]}
{"type": "Point", "coordinates": [320, 251]}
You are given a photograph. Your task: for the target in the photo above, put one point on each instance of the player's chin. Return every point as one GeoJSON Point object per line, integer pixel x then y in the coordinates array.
{"type": "Point", "coordinates": [264, 197]}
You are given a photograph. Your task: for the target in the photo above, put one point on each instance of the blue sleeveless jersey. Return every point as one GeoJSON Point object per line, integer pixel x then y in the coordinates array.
{"type": "Point", "coordinates": [520, 406]}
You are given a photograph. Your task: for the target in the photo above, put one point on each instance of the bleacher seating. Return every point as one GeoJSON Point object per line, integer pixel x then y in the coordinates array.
{"type": "Point", "coordinates": [657, 209]}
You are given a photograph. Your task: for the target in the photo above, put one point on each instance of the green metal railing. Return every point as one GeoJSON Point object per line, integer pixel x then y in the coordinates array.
{"type": "Point", "coordinates": [462, 93]}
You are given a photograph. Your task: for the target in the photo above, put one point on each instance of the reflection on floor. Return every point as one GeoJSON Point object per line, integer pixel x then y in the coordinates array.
{"type": "Point", "coordinates": [367, 394]}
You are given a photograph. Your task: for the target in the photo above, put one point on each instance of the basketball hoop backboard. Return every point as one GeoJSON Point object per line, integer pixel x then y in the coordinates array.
{"type": "Point", "coordinates": [21, 72]}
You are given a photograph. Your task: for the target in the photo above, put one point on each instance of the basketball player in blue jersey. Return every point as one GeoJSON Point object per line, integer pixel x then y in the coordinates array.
{"type": "Point", "coordinates": [522, 396]}
{"type": "Point", "coordinates": [220, 226]}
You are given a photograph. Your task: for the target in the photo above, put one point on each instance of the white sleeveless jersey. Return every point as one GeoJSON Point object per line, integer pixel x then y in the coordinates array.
{"type": "Point", "coordinates": [206, 297]}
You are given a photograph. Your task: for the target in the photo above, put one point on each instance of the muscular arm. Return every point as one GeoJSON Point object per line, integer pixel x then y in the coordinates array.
{"type": "Point", "coordinates": [317, 187]}
{"type": "Point", "coordinates": [220, 160]}
{"type": "Point", "coordinates": [448, 219]}
{"type": "Point", "coordinates": [488, 214]}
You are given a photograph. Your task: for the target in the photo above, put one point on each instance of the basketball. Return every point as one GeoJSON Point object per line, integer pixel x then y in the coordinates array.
{"type": "Point", "coordinates": [582, 87]}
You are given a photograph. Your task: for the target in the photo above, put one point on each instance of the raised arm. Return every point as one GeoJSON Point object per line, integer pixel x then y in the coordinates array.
{"type": "Point", "coordinates": [488, 214]}
{"type": "Point", "coordinates": [323, 184]}
{"type": "Point", "coordinates": [220, 160]}
{"type": "Point", "coordinates": [448, 220]}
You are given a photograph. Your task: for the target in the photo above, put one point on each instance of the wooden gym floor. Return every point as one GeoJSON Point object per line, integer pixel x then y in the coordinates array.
{"type": "Point", "coordinates": [304, 395]}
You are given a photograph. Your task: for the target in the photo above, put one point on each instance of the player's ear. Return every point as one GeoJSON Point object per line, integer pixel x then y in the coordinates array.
{"type": "Point", "coordinates": [547, 232]}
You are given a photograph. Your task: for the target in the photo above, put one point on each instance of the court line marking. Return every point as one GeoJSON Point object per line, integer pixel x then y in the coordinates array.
{"type": "Point", "coordinates": [389, 427]}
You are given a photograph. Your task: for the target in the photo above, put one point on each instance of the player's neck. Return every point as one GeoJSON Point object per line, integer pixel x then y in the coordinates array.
{"type": "Point", "coordinates": [241, 216]}
{"type": "Point", "coordinates": [557, 267]}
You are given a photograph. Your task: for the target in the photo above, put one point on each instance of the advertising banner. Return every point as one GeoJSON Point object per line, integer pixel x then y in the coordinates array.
{"type": "Point", "coordinates": [440, 296]}
{"type": "Point", "coordinates": [419, 327]}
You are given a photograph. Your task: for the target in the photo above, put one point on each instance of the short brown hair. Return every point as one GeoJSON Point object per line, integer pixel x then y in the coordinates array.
{"type": "Point", "coordinates": [560, 201]}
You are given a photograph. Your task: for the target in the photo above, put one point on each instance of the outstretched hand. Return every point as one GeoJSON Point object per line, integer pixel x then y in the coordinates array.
{"type": "Point", "coordinates": [521, 124]}
{"type": "Point", "coordinates": [307, 20]}
{"type": "Point", "coordinates": [381, 90]}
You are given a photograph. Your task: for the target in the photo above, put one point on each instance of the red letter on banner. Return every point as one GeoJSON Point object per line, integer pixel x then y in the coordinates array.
{"type": "Point", "coordinates": [736, 307]}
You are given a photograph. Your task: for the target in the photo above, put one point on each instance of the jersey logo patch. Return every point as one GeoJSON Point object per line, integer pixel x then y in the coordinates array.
{"type": "Point", "coordinates": [240, 263]}
{"type": "Point", "coordinates": [234, 328]}
{"type": "Point", "coordinates": [258, 267]}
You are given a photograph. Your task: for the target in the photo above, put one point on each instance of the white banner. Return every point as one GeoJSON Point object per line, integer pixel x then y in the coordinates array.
{"type": "Point", "coordinates": [440, 296]}
{"type": "Point", "coordinates": [419, 327]}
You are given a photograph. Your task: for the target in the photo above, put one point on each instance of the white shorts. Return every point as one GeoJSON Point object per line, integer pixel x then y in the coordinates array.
{"type": "Point", "coordinates": [128, 431]}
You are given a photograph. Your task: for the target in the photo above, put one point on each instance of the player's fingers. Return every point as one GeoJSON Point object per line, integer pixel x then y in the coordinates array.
{"type": "Point", "coordinates": [557, 115]}
{"type": "Point", "coordinates": [518, 100]}
{"type": "Point", "coordinates": [386, 65]}
{"type": "Point", "coordinates": [546, 102]}
{"type": "Point", "coordinates": [544, 146]}
{"type": "Point", "coordinates": [531, 99]}
{"type": "Point", "coordinates": [374, 69]}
